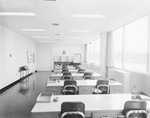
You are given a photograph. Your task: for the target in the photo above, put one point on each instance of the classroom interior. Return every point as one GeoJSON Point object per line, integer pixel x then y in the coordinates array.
{"type": "Point", "coordinates": [39, 37]}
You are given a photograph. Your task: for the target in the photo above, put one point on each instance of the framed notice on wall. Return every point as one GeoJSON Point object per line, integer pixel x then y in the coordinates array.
{"type": "Point", "coordinates": [77, 58]}
{"type": "Point", "coordinates": [30, 57]}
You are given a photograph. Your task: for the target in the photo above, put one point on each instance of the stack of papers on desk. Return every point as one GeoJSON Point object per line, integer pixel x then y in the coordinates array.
{"type": "Point", "coordinates": [44, 97]}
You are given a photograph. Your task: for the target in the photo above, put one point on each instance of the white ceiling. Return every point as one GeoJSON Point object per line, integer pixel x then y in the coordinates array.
{"type": "Point", "coordinates": [118, 13]}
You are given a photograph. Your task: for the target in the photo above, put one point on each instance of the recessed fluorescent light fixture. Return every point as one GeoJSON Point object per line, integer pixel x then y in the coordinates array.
{"type": "Point", "coordinates": [33, 29]}
{"type": "Point", "coordinates": [73, 37]}
{"type": "Point", "coordinates": [45, 41]}
{"type": "Point", "coordinates": [88, 15]}
{"type": "Point", "coordinates": [79, 31]}
{"type": "Point", "coordinates": [41, 37]}
{"type": "Point", "coordinates": [16, 14]}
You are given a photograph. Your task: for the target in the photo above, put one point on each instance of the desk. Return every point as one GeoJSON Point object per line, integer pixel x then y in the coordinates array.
{"type": "Point", "coordinates": [75, 75]}
{"type": "Point", "coordinates": [84, 86]}
{"type": "Point", "coordinates": [72, 71]}
{"type": "Point", "coordinates": [97, 105]}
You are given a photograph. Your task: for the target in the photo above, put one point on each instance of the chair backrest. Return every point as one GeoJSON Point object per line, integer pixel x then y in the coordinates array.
{"type": "Point", "coordinates": [81, 71]}
{"type": "Point", "coordinates": [77, 67]}
{"type": "Point", "coordinates": [70, 87]}
{"type": "Point", "coordinates": [102, 87]}
{"type": "Point", "coordinates": [72, 110]}
{"type": "Point", "coordinates": [66, 73]}
{"type": "Point", "coordinates": [64, 68]}
{"type": "Point", "coordinates": [134, 105]}
{"type": "Point", "coordinates": [102, 82]}
{"type": "Point", "coordinates": [70, 82]}
{"type": "Point", "coordinates": [67, 77]}
{"type": "Point", "coordinates": [87, 75]}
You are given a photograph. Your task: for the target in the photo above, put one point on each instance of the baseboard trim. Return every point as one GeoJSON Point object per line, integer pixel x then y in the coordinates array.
{"type": "Point", "coordinates": [14, 83]}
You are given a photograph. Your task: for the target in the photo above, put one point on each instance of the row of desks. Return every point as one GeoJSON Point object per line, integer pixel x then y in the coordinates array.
{"type": "Point", "coordinates": [72, 71]}
{"type": "Point", "coordinates": [75, 75]}
{"type": "Point", "coordinates": [98, 105]}
{"type": "Point", "coordinates": [84, 86]}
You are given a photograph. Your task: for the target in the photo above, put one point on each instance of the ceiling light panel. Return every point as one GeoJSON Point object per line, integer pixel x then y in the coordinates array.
{"type": "Point", "coordinates": [88, 15]}
{"type": "Point", "coordinates": [16, 14]}
{"type": "Point", "coordinates": [45, 41]}
{"type": "Point", "coordinates": [73, 37]}
{"type": "Point", "coordinates": [79, 31]}
{"type": "Point", "coordinates": [41, 37]}
{"type": "Point", "coordinates": [33, 30]}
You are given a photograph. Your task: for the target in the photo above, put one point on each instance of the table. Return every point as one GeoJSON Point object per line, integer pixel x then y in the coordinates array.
{"type": "Point", "coordinates": [75, 75]}
{"type": "Point", "coordinates": [98, 105]}
{"type": "Point", "coordinates": [71, 70]}
{"type": "Point", "coordinates": [84, 86]}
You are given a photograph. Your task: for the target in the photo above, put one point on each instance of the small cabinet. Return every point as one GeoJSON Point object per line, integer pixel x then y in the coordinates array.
{"type": "Point", "coordinates": [56, 90]}
{"type": "Point", "coordinates": [104, 115]}
{"type": "Point", "coordinates": [85, 90]}
{"type": "Point", "coordinates": [116, 89]}
{"type": "Point", "coordinates": [45, 115]}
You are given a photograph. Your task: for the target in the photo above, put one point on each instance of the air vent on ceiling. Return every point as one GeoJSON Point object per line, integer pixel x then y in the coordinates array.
{"type": "Point", "coordinates": [55, 24]}
{"type": "Point", "coordinates": [57, 34]}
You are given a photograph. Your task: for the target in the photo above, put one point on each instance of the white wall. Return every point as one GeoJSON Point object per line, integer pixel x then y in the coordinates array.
{"type": "Point", "coordinates": [57, 50]}
{"type": "Point", "coordinates": [13, 54]}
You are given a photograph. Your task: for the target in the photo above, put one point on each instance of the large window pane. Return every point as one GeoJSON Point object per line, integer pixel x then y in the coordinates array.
{"type": "Point", "coordinates": [117, 43]}
{"type": "Point", "coordinates": [136, 45]}
{"type": "Point", "coordinates": [92, 52]}
{"type": "Point", "coordinates": [88, 52]}
{"type": "Point", "coordinates": [97, 51]}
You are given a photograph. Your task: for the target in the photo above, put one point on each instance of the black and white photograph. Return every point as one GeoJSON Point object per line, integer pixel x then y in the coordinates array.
{"type": "Point", "coordinates": [74, 58]}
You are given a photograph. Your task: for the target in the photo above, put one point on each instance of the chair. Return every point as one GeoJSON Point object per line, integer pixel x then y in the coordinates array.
{"type": "Point", "coordinates": [134, 109]}
{"type": "Point", "coordinates": [64, 71]}
{"type": "Point", "coordinates": [87, 75]}
{"type": "Point", "coordinates": [64, 68]}
{"type": "Point", "coordinates": [70, 87]}
{"type": "Point", "coordinates": [101, 87]}
{"type": "Point", "coordinates": [72, 110]}
{"type": "Point", "coordinates": [67, 77]}
{"type": "Point", "coordinates": [77, 67]}
{"type": "Point", "coordinates": [81, 71]}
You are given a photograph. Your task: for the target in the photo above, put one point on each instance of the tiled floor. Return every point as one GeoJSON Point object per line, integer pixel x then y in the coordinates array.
{"type": "Point", "coordinates": [18, 101]}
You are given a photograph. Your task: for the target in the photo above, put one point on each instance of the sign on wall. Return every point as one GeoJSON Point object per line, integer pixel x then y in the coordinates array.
{"type": "Point", "coordinates": [30, 57]}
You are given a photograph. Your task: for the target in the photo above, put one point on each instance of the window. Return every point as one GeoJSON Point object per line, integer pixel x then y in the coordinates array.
{"type": "Point", "coordinates": [136, 45]}
{"type": "Point", "coordinates": [117, 42]}
{"type": "Point", "coordinates": [88, 52]}
{"type": "Point", "coordinates": [130, 46]}
{"type": "Point", "coordinates": [93, 52]}
{"type": "Point", "coordinates": [97, 51]}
